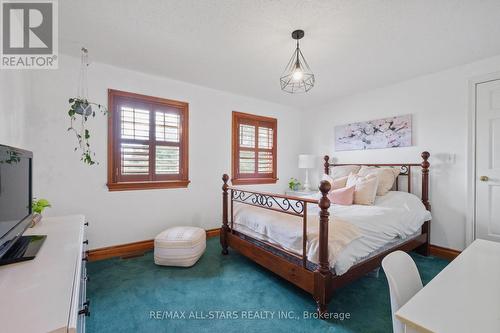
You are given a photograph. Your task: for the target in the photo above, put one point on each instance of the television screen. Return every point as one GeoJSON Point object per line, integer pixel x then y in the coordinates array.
{"type": "Point", "coordinates": [15, 193]}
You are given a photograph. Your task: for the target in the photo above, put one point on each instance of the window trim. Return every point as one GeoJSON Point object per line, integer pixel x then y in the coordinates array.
{"type": "Point", "coordinates": [113, 130]}
{"type": "Point", "coordinates": [236, 178]}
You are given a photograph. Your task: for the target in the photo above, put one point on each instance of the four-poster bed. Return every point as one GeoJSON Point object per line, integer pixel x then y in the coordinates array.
{"type": "Point", "coordinates": [317, 279]}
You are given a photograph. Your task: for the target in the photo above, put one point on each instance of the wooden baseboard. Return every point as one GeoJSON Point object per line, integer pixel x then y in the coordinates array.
{"type": "Point", "coordinates": [138, 248]}
{"type": "Point", "coordinates": [122, 250]}
{"type": "Point", "coordinates": [443, 252]}
{"type": "Point", "coordinates": [213, 233]}
{"type": "Point", "coordinates": [131, 249]}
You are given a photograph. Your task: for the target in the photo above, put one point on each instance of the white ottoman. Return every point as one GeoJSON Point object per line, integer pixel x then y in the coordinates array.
{"type": "Point", "coordinates": [179, 246]}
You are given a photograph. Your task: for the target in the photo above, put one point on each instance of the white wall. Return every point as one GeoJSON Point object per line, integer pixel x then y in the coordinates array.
{"type": "Point", "coordinates": [439, 104]}
{"type": "Point", "coordinates": [122, 217]}
{"type": "Point", "coordinates": [14, 101]}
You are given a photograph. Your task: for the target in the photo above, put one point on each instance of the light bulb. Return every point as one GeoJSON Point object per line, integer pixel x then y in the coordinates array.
{"type": "Point", "coordinates": [297, 74]}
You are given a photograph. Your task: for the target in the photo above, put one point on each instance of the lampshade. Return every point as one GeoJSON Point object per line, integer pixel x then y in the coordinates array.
{"type": "Point", "coordinates": [307, 161]}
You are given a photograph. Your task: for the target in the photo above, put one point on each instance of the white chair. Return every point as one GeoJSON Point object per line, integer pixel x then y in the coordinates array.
{"type": "Point", "coordinates": [404, 283]}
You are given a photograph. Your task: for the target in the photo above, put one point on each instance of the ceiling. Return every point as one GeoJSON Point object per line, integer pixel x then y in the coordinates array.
{"type": "Point", "coordinates": [242, 46]}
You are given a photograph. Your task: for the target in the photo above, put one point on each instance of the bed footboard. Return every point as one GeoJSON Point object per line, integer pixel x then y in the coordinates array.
{"type": "Point", "coordinates": [318, 282]}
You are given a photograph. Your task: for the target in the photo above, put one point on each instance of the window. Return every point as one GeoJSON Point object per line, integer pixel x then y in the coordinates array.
{"type": "Point", "coordinates": [147, 142]}
{"type": "Point", "coordinates": [254, 149]}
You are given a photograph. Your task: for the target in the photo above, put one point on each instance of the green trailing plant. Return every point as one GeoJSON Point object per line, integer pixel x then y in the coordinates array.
{"type": "Point", "coordinates": [83, 108]}
{"type": "Point", "coordinates": [293, 184]}
{"type": "Point", "coordinates": [38, 206]}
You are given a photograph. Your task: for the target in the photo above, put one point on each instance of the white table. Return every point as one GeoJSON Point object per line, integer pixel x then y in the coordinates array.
{"type": "Point", "coordinates": [43, 294]}
{"type": "Point", "coordinates": [464, 297]}
{"type": "Point", "coordinates": [300, 193]}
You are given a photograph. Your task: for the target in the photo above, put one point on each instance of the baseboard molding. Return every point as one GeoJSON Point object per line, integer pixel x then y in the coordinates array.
{"type": "Point", "coordinates": [131, 249]}
{"type": "Point", "coordinates": [443, 252]}
{"type": "Point", "coordinates": [138, 248]}
{"type": "Point", "coordinates": [213, 233]}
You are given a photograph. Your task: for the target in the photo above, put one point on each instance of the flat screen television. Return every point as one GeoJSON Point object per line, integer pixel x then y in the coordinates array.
{"type": "Point", "coordinates": [15, 206]}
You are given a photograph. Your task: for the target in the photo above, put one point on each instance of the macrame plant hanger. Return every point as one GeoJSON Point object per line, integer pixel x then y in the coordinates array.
{"type": "Point", "coordinates": [83, 107]}
{"type": "Point", "coordinates": [83, 90]}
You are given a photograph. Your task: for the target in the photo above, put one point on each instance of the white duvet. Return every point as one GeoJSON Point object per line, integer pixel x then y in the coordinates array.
{"type": "Point", "coordinates": [354, 232]}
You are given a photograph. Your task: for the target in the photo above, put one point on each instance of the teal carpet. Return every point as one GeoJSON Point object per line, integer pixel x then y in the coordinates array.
{"type": "Point", "coordinates": [228, 294]}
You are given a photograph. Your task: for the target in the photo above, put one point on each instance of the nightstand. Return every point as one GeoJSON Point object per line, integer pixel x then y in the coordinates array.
{"type": "Point", "coordinates": [300, 193]}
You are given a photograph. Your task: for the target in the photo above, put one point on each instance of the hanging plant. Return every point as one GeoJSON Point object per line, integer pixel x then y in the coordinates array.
{"type": "Point", "coordinates": [82, 107]}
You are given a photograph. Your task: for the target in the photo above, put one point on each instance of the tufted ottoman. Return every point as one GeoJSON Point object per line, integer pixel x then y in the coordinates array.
{"type": "Point", "coordinates": [179, 246]}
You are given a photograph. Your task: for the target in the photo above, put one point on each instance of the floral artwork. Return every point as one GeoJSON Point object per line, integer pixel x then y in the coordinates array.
{"type": "Point", "coordinates": [382, 133]}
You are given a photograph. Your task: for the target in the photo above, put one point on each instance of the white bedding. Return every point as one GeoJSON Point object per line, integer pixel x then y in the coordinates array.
{"type": "Point", "coordinates": [357, 230]}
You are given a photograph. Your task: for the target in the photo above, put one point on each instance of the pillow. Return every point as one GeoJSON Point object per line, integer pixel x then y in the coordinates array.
{"type": "Point", "coordinates": [365, 189]}
{"type": "Point", "coordinates": [340, 171]}
{"type": "Point", "coordinates": [386, 177]}
{"type": "Point", "coordinates": [342, 196]}
{"type": "Point", "coordinates": [339, 183]}
{"type": "Point", "coordinates": [335, 183]}
{"type": "Point", "coordinates": [343, 170]}
{"type": "Point", "coordinates": [328, 178]}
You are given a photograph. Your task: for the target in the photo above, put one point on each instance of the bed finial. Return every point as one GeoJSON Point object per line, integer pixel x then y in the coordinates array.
{"type": "Point", "coordinates": [327, 164]}
{"type": "Point", "coordinates": [225, 228]}
{"type": "Point", "coordinates": [225, 179]}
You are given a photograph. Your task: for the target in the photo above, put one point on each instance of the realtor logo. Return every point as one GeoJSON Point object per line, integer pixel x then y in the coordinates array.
{"type": "Point", "coordinates": [29, 34]}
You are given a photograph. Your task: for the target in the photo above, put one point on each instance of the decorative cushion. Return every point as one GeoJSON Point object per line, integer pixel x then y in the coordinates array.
{"type": "Point", "coordinates": [179, 246]}
{"type": "Point", "coordinates": [386, 177]}
{"type": "Point", "coordinates": [335, 183]}
{"type": "Point", "coordinates": [365, 188]}
{"type": "Point", "coordinates": [328, 178]}
{"type": "Point", "coordinates": [339, 183]}
{"type": "Point", "coordinates": [343, 170]}
{"type": "Point", "coordinates": [340, 173]}
{"type": "Point", "coordinates": [342, 196]}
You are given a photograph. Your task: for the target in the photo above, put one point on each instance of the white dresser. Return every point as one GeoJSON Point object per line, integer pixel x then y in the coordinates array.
{"type": "Point", "coordinates": [47, 294]}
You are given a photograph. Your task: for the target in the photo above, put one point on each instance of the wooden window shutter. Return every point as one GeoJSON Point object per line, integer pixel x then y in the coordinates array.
{"type": "Point", "coordinates": [254, 149]}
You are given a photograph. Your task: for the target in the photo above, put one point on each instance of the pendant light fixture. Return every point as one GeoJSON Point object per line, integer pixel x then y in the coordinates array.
{"type": "Point", "coordinates": [297, 76]}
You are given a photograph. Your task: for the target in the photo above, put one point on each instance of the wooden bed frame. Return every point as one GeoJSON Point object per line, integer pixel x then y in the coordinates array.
{"type": "Point", "coordinates": [320, 282]}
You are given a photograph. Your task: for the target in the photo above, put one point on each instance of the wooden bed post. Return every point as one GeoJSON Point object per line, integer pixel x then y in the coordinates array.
{"type": "Point", "coordinates": [327, 164]}
{"type": "Point", "coordinates": [425, 180]}
{"type": "Point", "coordinates": [323, 275]}
{"type": "Point", "coordinates": [426, 228]}
{"type": "Point", "coordinates": [225, 228]}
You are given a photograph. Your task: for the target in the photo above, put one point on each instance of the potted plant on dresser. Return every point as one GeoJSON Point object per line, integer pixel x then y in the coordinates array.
{"type": "Point", "coordinates": [37, 207]}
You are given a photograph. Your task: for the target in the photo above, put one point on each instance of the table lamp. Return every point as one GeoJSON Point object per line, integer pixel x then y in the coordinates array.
{"type": "Point", "coordinates": [307, 162]}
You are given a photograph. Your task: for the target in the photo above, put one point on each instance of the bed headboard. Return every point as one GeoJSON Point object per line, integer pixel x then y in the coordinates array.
{"type": "Point", "coordinates": [405, 170]}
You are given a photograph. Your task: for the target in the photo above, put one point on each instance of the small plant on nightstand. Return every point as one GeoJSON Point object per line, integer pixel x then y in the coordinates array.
{"type": "Point", "coordinates": [294, 184]}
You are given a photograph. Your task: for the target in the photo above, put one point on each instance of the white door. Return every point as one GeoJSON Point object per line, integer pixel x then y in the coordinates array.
{"type": "Point", "coordinates": [488, 160]}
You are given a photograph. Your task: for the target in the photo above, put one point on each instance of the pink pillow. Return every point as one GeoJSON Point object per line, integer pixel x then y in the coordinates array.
{"type": "Point", "coordinates": [342, 196]}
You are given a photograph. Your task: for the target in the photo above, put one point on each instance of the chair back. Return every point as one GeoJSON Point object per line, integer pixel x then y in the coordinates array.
{"type": "Point", "coordinates": [404, 282]}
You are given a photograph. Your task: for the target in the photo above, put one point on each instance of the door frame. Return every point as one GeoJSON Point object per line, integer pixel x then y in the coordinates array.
{"type": "Point", "coordinates": [470, 222]}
